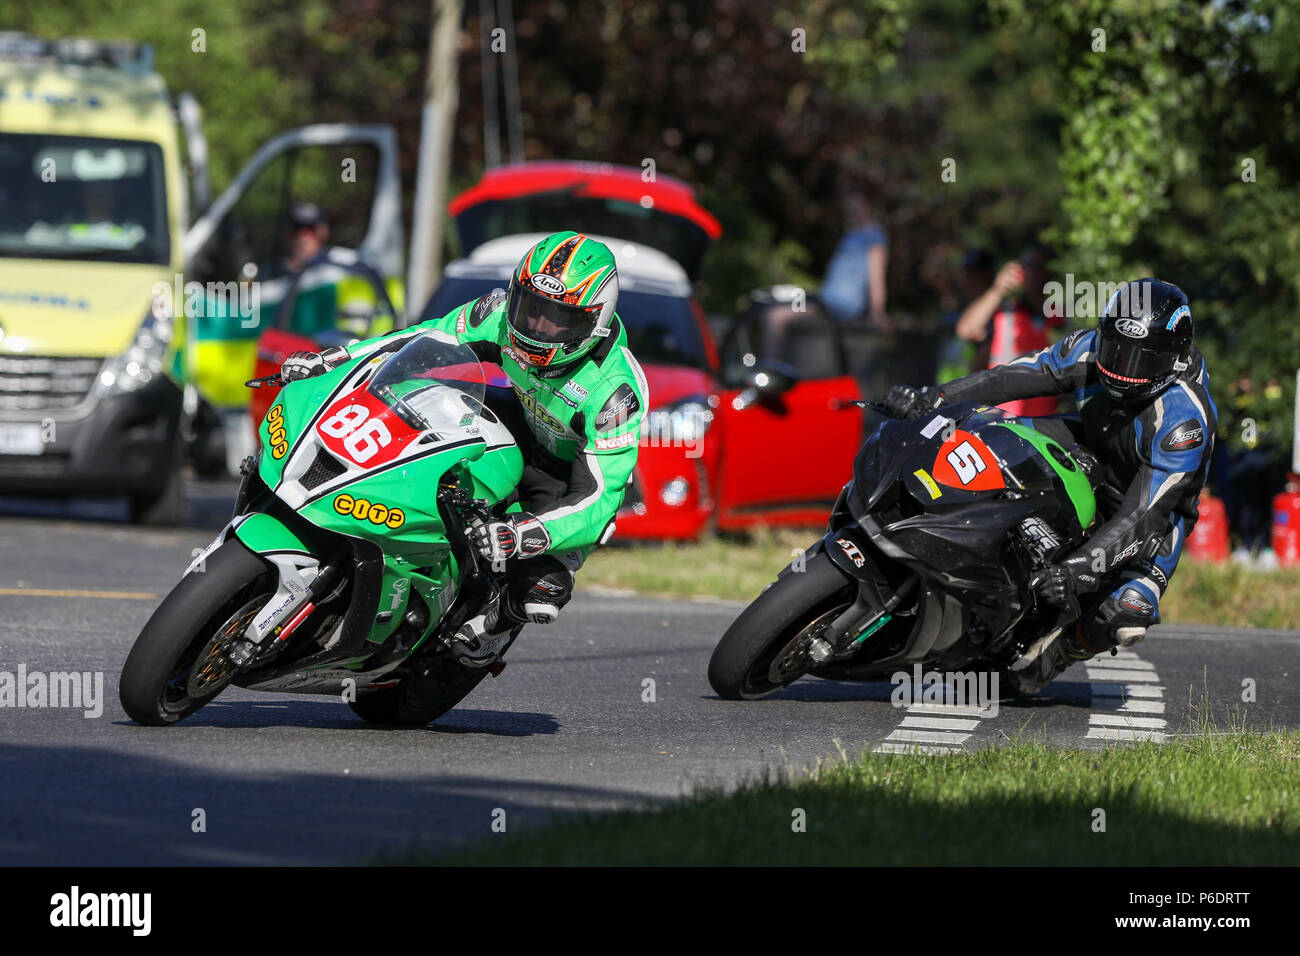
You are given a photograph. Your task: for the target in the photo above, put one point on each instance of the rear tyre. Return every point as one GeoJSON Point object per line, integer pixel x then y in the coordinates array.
{"type": "Point", "coordinates": [177, 663]}
{"type": "Point", "coordinates": [436, 687]}
{"type": "Point", "coordinates": [762, 651]}
{"type": "Point", "coordinates": [379, 706]}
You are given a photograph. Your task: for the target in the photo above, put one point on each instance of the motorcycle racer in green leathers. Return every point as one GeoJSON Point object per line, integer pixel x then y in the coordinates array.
{"type": "Point", "coordinates": [575, 404]}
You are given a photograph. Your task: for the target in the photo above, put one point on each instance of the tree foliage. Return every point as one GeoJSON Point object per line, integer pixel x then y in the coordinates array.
{"type": "Point", "coordinates": [1182, 159]}
{"type": "Point", "coordinates": [1129, 158]}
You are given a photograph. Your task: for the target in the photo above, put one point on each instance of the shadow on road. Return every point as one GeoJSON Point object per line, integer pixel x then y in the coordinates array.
{"type": "Point", "coordinates": [89, 806]}
{"type": "Point", "coordinates": [327, 713]}
{"type": "Point", "coordinates": [1057, 694]}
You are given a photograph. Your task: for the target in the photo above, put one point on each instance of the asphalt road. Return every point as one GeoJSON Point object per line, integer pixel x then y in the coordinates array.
{"type": "Point", "coordinates": [299, 779]}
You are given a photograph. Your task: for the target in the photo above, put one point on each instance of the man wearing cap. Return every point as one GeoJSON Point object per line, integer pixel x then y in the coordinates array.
{"type": "Point", "coordinates": [307, 237]}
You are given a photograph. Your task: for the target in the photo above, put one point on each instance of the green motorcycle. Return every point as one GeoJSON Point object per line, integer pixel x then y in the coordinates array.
{"type": "Point", "coordinates": [347, 567]}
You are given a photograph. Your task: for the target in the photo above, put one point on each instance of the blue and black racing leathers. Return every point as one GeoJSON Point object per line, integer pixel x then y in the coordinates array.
{"type": "Point", "coordinates": [1157, 452]}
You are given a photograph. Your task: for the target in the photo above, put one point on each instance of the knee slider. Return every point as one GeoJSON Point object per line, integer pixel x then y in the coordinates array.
{"type": "Point", "coordinates": [541, 613]}
{"type": "Point", "coordinates": [1128, 636]}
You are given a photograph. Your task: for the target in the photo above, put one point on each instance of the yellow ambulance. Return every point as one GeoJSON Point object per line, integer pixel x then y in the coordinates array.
{"type": "Point", "coordinates": [92, 217]}
{"type": "Point", "coordinates": [127, 332]}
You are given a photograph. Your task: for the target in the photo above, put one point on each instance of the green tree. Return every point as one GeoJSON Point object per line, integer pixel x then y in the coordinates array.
{"type": "Point", "coordinates": [1182, 159]}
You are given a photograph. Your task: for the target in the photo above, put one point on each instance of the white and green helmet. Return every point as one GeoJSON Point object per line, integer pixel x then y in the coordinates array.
{"type": "Point", "coordinates": [562, 298]}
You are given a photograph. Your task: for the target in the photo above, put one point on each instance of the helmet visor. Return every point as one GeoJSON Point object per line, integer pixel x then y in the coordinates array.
{"type": "Point", "coordinates": [1130, 367]}
{"type": "Point", "coordinates": [546, 320]}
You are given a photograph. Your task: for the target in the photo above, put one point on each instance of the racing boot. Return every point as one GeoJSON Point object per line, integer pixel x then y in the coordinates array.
{"type": "Point", "coordinates": [483, 637]}
{"type": "Point", "coordinates": [1044, 659]}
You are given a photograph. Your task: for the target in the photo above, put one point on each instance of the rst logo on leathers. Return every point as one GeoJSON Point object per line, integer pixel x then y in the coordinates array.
{"type": "Point", "coordinates": [1134, 601]}
{"type": "Point", "coordinates": [1190, 434]}
{"type": "Point", "coordinates": [484, 307]}
{"type": "Point", "coordinates": [618, 408]}
{"type": "Point", "coordinates": [1122, 556]}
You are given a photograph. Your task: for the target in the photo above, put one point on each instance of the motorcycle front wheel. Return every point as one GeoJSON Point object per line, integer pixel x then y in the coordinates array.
{"type": "Point", "coordinates": [178, 662]}
{"type": "Point", "coordinates": [766, 647]}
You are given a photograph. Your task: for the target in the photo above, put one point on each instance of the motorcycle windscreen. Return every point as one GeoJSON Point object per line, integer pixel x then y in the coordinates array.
{"type": "Point", "coordinates": [431, 381]}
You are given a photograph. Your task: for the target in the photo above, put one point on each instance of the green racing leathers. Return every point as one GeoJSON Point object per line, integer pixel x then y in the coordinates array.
{"type": "Point", "coordinates": [584, 419]}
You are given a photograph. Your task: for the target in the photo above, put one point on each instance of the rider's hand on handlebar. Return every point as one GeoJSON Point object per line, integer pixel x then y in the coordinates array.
{"type": "Point", "coordinates": [1060, 584]}
{"type": "Point", "coordinates": [904, 401]}
{"type": "Point", "coordinates": [302, 365]}
{"type": "Point", "coordinates": [519, 535]}
{"type": "Point", "coordinates": [1053, 585]}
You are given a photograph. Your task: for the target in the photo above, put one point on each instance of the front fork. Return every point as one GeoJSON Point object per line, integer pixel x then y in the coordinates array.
{"type": "Point", "coordinates": [848, 547]}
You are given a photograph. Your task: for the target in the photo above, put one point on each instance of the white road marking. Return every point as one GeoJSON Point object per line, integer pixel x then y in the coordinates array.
{"type": "Point", "coordinates": [1124, 720]}
{"type": "Point", "coordinates": [939, 723]}
{"type": "Point", "coordinates": [1121, 663]}
{"type": "Point", "coordinates": [899, 748]}
{"type": "Point", "coordinates": [949, 710]}
{"type": "Point", "coordinates": [1110, 673]}
{"type": "Point", "coordinates": [1128, 706]}
{"type": "Point", "coordinates": [928, 737]}
{"type": "Point", "coordinates": [1117, 733]}
{"type": "Point", "coordinates": [934, 728]}
{"type": "Point", "coordinates": [1130, 691]}
{"type": "Point", "coordinates": [1126, 697]}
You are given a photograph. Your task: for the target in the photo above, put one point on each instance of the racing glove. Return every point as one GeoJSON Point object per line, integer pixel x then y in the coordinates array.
{"type": "Point", "coordinates": [519, 535]}
{"type": "Point", "coordinates": [305, 364]}
{"type": "Point", "coordinates": [904, 401]}
{"type": "Point", "coordinates": [1058, 584]}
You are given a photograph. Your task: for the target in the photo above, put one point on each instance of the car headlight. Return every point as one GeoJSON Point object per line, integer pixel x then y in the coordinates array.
{"type": "Point", "coordinates": [143, 359]}
{"type": "Point", "coordinates": [682, 423]}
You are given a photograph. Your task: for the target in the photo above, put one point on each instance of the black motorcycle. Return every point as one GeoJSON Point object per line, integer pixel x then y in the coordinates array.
{"type": "Point", "coordinates": [926, 557]}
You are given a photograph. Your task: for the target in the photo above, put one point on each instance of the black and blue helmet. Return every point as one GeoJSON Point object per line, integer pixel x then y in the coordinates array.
{"type": "Point", "coordinates": [1144, 339]}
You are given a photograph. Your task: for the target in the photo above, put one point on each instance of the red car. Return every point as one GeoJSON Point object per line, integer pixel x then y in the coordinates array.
{"type": "Point", "coordinates": [730, 440]}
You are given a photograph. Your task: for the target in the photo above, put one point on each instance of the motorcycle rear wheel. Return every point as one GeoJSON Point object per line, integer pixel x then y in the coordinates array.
{"type": "Point", "coordinates": [764, 649]}
{"type": "Point", "coordinates": [443, 684]}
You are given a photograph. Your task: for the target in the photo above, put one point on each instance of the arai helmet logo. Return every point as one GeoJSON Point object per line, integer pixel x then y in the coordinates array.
{"type": "Point", "coordinates": [1131, 327]}
{"type": "Point", "coordinates": [549, 284]}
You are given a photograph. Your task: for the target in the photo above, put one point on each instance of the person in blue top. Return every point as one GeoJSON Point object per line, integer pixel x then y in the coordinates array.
{"type": "Point", "coordinates": [1145, 412]}
{"type": "Point", "coordinates": [854, 287]}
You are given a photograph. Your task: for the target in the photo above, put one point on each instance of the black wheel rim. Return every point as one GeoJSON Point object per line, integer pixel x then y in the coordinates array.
{"type": "Point", "coordinates": [190, 684]}
{"type": "Point", "coordinates": [786, 662]}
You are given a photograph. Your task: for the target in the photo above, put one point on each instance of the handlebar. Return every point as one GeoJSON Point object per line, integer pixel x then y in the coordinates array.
{"type": "Point", "coordinates": [470, 508]}
{"type": "Point", "coordinates": [1065, 615]}
{"type": "Point", "coordinates": [274, 379]}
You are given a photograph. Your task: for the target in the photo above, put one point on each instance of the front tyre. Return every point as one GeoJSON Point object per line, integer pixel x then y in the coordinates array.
{"type": "Point", "coordinates": [765, 648]}
{"type": "Point", "coordinates": [178, 662]}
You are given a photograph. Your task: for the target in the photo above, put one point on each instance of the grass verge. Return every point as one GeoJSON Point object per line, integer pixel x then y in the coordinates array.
{"type": "Point", "coordinates": [1230, 799]}
{"type": "Point", "coordinates": [739, 568]}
